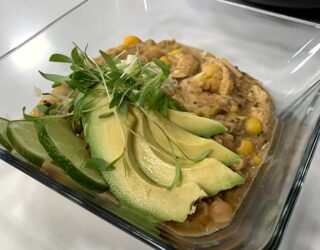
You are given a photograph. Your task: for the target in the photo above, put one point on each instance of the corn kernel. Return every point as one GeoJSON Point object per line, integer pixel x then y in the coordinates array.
{"type": "Point", "coordinates": [210, 69]}
{"type": "Point", "coordinates": [203, 218]}
{"type": "Point", "coordinates": [130, 40]}
{"type": "Point", "coordinates": [253, 126]}
{"type": "Point", "coordinates": [214, 84]}
{"type": "Point", "coordinates": [246, 147]}
{"type": "Point", "coordinates": [202, 77]}
{"type": "Point", "coordinates": [165, 60]}
{"type": "Point", "coordinates": [175, 52]}
{"type": "Point", "coordinates": [257, 159]}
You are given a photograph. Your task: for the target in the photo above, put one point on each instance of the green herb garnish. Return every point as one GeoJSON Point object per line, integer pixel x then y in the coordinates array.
{"type": "Point", "coordinates": [106, 115]}
{"type": "Point", "coordinates": [128, 81]}
{"type": "Point", "coordinates": [124, 83]}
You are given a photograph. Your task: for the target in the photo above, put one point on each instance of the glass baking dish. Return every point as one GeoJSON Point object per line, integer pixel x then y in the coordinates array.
{"type": "Point", "coordinates": [280, 51]}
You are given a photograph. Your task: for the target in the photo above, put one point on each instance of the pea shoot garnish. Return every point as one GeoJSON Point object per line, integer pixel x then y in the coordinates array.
{"type": "Point", "coordinates": [124, 83]}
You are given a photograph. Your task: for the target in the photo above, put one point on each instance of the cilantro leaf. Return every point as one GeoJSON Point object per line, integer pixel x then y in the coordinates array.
{"type": "Point", "coordinates": [60, 58]}
{"type": "Point", "coordinates": [115, 100]}
{"type": "Point", "coordinates": [109, 61]}
{"type": "Point", "coordinates": [56, 84]}
{"type": "Point", "coordinates": [54, 78]}
{"type": "Point", "coordinates": [164, 67]}
{"type": "Point", "coordinates": [106, 115]}
{"type": "Point", "coordinates": [77, 57]}
{"type": "Point", "coordinates": [124, 109]}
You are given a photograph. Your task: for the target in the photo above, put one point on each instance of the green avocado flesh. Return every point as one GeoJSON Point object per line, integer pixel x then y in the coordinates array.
{"type": "Point", "coordinates": [70, 152]}
{"type": "Point", "coordinates": [107, 138]}
{"type": "Point", "coordinates": [130, 181]}
{"type": "Point", "coordinates": [210, 174]}
{"type": "Point", "coordinates": [4, 141]}
{"type": "Point", "coordinates": [194, 124]}
{"type": "Point", "coordinates": [23, 137]}
{"type": "Point", "coordinates": [190, 144]}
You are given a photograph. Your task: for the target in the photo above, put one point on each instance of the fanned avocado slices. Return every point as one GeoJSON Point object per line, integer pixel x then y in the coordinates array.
{"type": "Point", "coordinates": [194, 124]}
{"type": "Point", "coordinates": [108, 138]}
{"type": "Point", "coordinates": [113, 136]}
{"type": "Point", "coordinates": [190, 144]}
{"type": "Point", "coordinates": [210, 174]}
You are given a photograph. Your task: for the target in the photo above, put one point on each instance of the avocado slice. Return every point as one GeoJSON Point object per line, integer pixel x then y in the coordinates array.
{"type": "Point", "coordinates": [191, 145]}
{"type": "Point", "coordinates": [107, 138]}
{"type": "Point", "coordinates": [196, 125]}
{"type": "Point", "coordinates": [210, 174]}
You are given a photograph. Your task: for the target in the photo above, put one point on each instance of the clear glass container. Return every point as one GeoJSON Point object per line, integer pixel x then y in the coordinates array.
{"type": "Point", "coordinates": [280, 51]}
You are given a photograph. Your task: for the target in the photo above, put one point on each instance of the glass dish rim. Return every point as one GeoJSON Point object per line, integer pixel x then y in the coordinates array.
{"type": "Point", "coordinates": [285, 214]}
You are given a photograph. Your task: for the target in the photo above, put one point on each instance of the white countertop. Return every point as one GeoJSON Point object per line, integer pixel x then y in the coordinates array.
{"type": "Point", "coordinates": [27, 222]}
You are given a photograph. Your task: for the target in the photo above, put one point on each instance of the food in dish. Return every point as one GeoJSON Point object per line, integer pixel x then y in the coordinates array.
{"type": "Point", "coordinates": [173, 132]}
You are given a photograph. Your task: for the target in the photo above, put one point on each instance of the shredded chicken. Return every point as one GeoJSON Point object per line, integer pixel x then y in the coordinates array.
{"type": "Point", "coordinates": [187, 65]}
